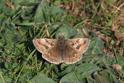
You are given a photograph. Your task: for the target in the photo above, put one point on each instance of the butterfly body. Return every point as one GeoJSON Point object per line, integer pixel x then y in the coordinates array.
{"type": "Point", "coordinates": [61, 50]}
{"type": "Point", "coordinates": [61, 44]}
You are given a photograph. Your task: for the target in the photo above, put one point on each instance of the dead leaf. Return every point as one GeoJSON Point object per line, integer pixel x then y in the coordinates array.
{"type": "Point", "coordinates": [117, 67]}
{"type": "Point", "coordinates": [119, 36]}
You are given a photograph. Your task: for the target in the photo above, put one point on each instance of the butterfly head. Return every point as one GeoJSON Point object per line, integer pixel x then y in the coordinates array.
{"type": "Point", "coordinates": [61, 36]}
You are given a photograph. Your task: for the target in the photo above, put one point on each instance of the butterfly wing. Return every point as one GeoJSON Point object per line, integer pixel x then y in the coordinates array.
{"type": "Point", "coordinates": [48, 49]}
{"type": "Point", "coordinates": [74, 49]}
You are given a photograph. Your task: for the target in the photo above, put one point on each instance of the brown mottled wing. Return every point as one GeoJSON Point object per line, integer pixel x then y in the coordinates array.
{"type": "Point", "coordinates": [48, 49]}
{"type": "Point", "coordinates": [74, 49]}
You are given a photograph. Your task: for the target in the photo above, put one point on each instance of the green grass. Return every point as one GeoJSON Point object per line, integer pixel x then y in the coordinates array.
{"type": "Point", "coordinates": [23, 20]}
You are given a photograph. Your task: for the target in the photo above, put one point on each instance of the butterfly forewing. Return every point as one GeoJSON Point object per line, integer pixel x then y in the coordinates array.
{"type": "Point", "coordinates": [74, 49]}
{"type": "Point", "coordinates": [49, 50]}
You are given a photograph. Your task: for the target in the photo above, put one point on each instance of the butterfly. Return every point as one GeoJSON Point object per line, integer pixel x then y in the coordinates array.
{"type": "Point", "coordinates": [61, 50]}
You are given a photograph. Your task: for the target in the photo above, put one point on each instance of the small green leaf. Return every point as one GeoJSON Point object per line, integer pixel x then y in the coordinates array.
{"type": "Point", "coordinates": [87, 69]}
{"type": "Point", "coordinates": [79, 73]}
{"type": "Point", "coordinates": [66, 30]}
{"type": "Point", "coordinates": [96, 46]}
{"type": "Point", "coordinates": [105, 76]}
{"type": "Point", "coordinates": [47, 13]}
{"type": "Point", "coordinates": [41, 78]}
{"type": "Point", "coordinates": [70, 78]}
{"type": "Point", "coordinates": [39, 16]}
